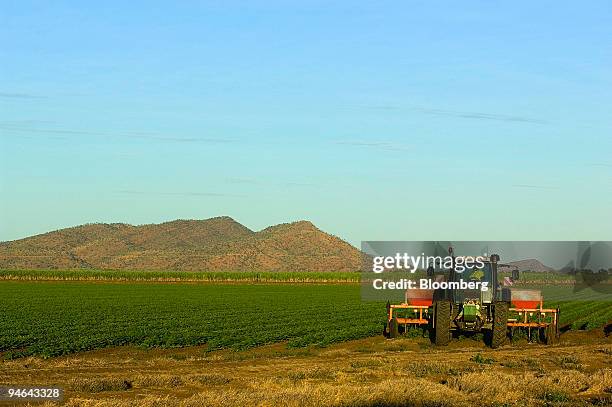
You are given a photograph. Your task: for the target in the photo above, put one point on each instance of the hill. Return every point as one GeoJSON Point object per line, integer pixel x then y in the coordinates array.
{"type": "Point", "coordinates": [212, 244]}
{"type": "Point", "coordinates": [531, 265]}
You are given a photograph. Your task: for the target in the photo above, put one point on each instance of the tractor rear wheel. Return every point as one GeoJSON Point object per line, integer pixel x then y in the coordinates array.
{"type": "Point", "coordinates": [393, 328]}
{"type": "Point", "coordinates": [551, 335]}
{"type": "Point", "coordinates": [442, 316]}
{"type": "Point", "coordinates": [500, 324]}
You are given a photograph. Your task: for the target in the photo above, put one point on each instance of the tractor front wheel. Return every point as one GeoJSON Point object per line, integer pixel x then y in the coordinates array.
{"type": "Point", "coordinates": [500, 324]}
{"type": "Point", "coordinates": [393, 328]}
{"type": "Point", "coordinates": [551, 334]}
{"type": "Point", "coordinates": [442, 319]}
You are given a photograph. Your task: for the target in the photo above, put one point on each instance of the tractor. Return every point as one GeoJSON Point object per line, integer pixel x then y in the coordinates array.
{"type": "Point", "coordinates": [495, 312]}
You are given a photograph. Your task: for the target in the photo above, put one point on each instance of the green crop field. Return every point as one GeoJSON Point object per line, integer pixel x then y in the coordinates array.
{"type": "Point", "coordinates": [586, 314]}
{"type": "Point", "coordinates": [55, 318]}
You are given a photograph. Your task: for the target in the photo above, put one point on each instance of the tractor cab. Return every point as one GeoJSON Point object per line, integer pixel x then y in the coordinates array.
{"type": "Point", "coordinates": [473, 280]}
{"type": "Point", "coordinates": [479, 282]}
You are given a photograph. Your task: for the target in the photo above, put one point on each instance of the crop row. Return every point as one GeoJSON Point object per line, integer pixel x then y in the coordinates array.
{"type": "Point", "coordinates": [242, 276]}
{"type": "Point", "coordinates": [177, 276]}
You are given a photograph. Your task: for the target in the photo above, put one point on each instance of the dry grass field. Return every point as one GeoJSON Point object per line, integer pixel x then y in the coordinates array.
{"type": "Point", "coordinates": [368, 372]}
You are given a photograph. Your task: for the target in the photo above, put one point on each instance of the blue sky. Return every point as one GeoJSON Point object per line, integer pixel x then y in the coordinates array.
{"type": "Point", "coordinates": [376, 121]}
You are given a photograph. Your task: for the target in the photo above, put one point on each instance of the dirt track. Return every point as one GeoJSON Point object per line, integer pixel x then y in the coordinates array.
{"type": "Point", "coordinates": [366, 372]}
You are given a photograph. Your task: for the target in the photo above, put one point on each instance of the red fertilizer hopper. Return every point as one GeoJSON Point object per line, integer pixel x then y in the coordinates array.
{"type": "Point", "coordinates": [419, 297]}
{"type": "Point", "coordinates": [526, 299]}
